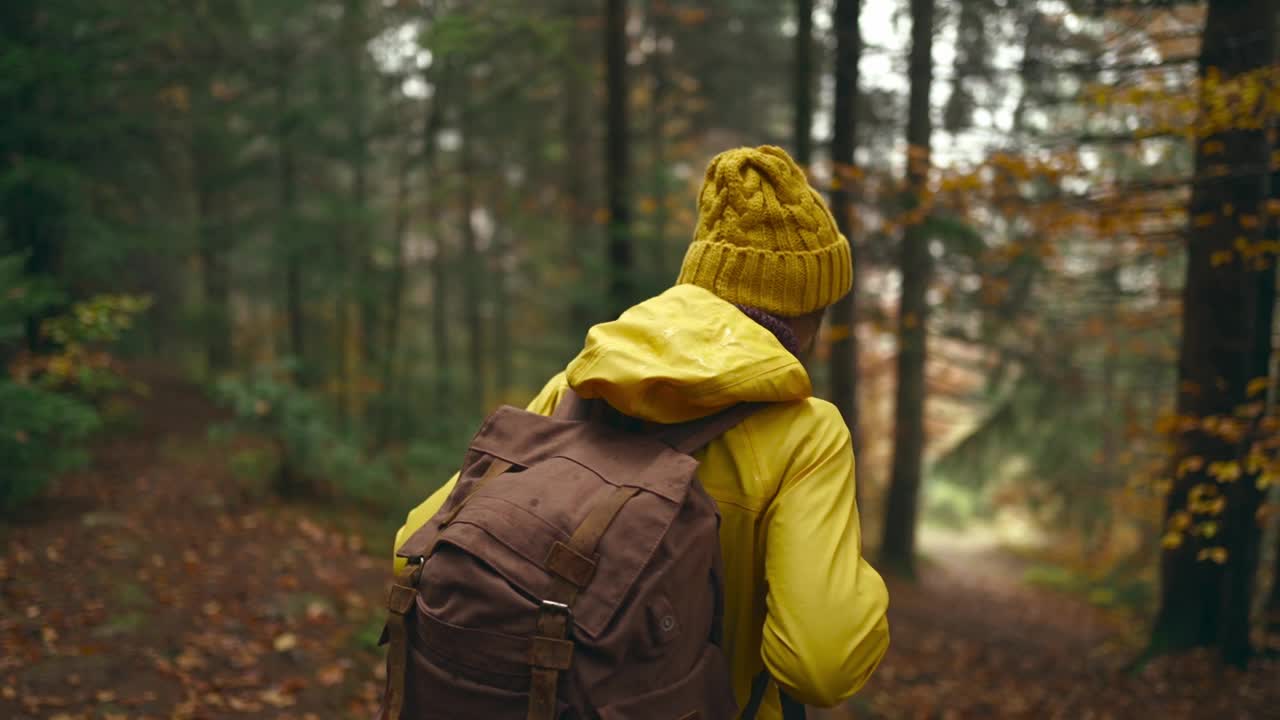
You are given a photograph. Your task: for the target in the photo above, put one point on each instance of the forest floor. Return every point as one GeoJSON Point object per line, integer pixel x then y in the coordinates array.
{"type": "Point", "coordinates": [150, 586]}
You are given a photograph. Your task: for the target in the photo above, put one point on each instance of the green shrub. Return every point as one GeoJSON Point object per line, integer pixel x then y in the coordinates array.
{"type": "Point", "coordinates": [313, 455]}
{"type": "Point", "coordinates": [48, 404]}
{"type": "Point", "coordinates": [40, 432]}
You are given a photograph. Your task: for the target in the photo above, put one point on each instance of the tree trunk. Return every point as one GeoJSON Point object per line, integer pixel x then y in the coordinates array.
{"type": "Point", "coordinates": [1271, 604]}
{"type": "Point", "coordinates": [395, 299]}
{"type": "Point", "coordinates": [472, 279]}
{"type": "Point", "coordinates": [210, 218]}
{"type": "Point", "coordinates": [286, 234]}
{"type": "Point", "coordinates": [617, 153]}
{"type": "Point", "coordinates": [436, 111]}
{"type": "Point", "coordinates": [440, 317]}
{"type": "Point", "coordinates": [844, 339]}
{"type": "Point", "coordinates": [216, 282]}
{"type": "Point", "coordinates": [355, 261]}
{"type": "Point", "coordinates": [898, 548]}
{"type": "Point", "coordinates": [658, 142]}
{"type": "Point", "coordinates": [802, 83]}
{"type": "Point", "coordinates": [577, 184]}
{"type": "Point", "coordinates": [501, 301]}
{"type": "Point", "coordinates": [1204, 602]}
{"type": "Point", "coordinates": [1271, 610]}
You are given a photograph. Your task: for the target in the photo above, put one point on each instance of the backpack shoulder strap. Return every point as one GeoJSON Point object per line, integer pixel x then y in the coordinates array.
{"type": "Point", "coordinates": [692, 436]}
{"type": "Point", "coordinates": [688, 437]}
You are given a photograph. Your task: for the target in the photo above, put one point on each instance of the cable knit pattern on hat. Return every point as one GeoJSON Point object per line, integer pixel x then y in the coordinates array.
{"type": "Point", "coordinates": [765, 238]}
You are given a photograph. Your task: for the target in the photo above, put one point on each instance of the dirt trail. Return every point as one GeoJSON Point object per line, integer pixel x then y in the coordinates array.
{"type": "Point", "coordinates": [149, 586]}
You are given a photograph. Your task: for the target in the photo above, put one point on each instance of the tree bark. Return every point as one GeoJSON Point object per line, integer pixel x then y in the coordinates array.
{"type": "Point", "coordinates": [501, 300]}
{"type": "Point", "coordinates": [898, 548]}
{"type": "Point", "coordinates": [436, 111]}
{"type": "Point", "coordinates": [350, 262]}
{"type": "Point", "coordinates": [658, 74]}
{"type": "Point", "coordinates": [472, 270]}
{"type": "Point", "coordinates": [1271, 610]}
{"type": "Point", "coordinates": [1224, 327]}
{"type": "Point", "coordinates": [617, 153]}
{"type": "Point", "coordinates": [286, 235]}
{"type": "Point", "coordinates": [802, 83]}
{"type": "Point", "coordinates": [395, 299]}
{"type": "Point", "coordinates": [577, 184]}
{"type": "Point", "coordinates": [210, 209]}
{"type": "Point", "coordinates": [844, 338]}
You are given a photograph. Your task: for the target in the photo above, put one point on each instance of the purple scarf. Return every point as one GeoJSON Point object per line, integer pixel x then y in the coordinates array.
{"type": "Point", "coordinates": [775, 325]}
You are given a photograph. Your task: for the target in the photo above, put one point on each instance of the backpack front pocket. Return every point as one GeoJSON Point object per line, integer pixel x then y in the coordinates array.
{"type": "Point", "coordinates": [705, 693]}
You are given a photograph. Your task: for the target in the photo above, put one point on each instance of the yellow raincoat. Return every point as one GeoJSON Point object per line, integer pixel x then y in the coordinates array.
{"type": "Point", "coordinates": [801, 600]}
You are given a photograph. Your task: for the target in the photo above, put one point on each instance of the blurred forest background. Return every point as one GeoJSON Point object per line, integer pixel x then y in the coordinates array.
{"type": "Point", "coordinates": [264, 267]}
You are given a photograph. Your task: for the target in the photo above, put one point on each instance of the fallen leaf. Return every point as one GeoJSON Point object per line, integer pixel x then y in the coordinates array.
{"type": "Point", "coordinates": [330, 676]}
{"type": "Point", "coordinates": [276, 698]}
{"type": "Point", "coordinates": [242, 705]}
{"type": "Point", "coordinates": [285, 642]}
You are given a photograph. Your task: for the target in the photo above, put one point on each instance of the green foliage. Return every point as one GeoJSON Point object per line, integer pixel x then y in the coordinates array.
{"type": "Point", "coordinates": [79, 363]}
{"type": "Point", "coordinates": [1120, 587]}
{"type": "Point", "coordinates": [313, 453]}
{"type": "Point", "coordinates": [47, 407]}
{"type": "Point", "coordinates": [951, 505]}
{"type": "Point", "coordinates": [40, 432]}
{"type": "Point", "coordinates": [23, 296]}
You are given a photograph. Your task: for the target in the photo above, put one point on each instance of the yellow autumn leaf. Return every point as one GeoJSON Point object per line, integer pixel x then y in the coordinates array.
{"type": "Point", "coordinates": [1257, 386]}
{"type": "Point", "coordinates": [1228, 471]}
{"type": "Point", "coordinates": [1213, 507]}
{"type": "Point", "coordinates": [836, 333]}
{"type": "Point", "coordinates": [1166, 423]}
{"type": "Point", "coordinates": [1199, 492]}
{"type": "Point", "coordinates": [1206, 219]}
{"type": "Point", "coordinates": [1207, 529]}
{"type": "Point", "coordinates": [1163, 486]}
{"type": "Point", "coordinates": [1221, 257]}
{"type": "Point", "coordinates": [1190, 465]}
{"type": "Point", "coordinates": [1180, 520]}
{"type": "Point", "coordinates": [1248, 222]}
{"type": "Point", "coordinates": [1266, 480]}
{"type": "Point", "coordinates": [1249, 410]}
{"type": "Point", "coordinates": [1213, 147]}
{"type": "Point", "coordinates": [1216, 554]}
{"type": "Point", "coordinates": [1171, 540]}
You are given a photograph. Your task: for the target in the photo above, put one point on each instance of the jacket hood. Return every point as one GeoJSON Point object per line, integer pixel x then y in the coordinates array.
{"type": "Point", "coordinates": [684, 355]}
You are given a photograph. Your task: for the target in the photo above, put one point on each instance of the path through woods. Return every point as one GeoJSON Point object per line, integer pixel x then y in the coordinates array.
{"type": "Point", "coordinates": [149, 586]}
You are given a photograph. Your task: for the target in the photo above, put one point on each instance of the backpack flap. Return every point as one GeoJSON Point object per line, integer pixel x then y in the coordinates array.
{"type": "Point", "coordinates": [520, 524]}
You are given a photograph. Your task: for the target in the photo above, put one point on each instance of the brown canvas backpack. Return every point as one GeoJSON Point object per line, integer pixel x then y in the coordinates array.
{"type": "Point", "coordinates": [574, 573]}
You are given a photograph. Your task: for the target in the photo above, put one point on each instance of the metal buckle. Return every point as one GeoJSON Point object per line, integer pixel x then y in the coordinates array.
{"type": "Point", "coordinates": [555, 607]}
{"type": "Point", "coordinates": [415, 560]}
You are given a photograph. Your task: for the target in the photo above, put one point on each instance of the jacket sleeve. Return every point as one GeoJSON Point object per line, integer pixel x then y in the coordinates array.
{"type": "Point", "coordinates": [544, 404]}
{"type": "Point", "coordinates": [825, 629]}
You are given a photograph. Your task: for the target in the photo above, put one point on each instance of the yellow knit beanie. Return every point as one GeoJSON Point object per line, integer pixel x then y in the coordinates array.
{"type": "Point", "coordinates": [765, 238]}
